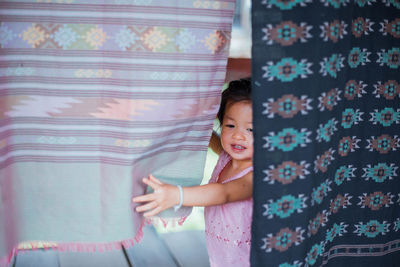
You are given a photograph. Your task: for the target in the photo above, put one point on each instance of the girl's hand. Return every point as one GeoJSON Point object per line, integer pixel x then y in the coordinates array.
{"type": "Point", "coordinates": [164, 197]}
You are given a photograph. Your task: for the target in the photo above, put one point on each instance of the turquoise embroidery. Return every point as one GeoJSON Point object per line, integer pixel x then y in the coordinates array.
{"type": "Point", "coordinates": [396, 225]}
{"type": "Point", "coordinates": [344, 173]}
{"type": "Point", "coordinates": [386, 117]}
{"type": "Point", "coordinates": [332, 65]}
{"type": "Point", "coordinates": [350, 117]}
{"type": "Point", "coordinates": [391, 58]}
{"type": "Point", "coordinates": [285, 5]}
{"type": "Point", "coordinates": [336, 230]}
{"type": "Point", "coordinates": [372, 228]}
{"type": "Point", "coordinates": [286, 264]}
{"type": "Point", "coordinates": [358, 57]}
{"type": "Point", "coordinates": [287, 140]}
{"type": "Point", "coordinates": [362, 3]}
{"type": "Point", "coordinates": [320, 192]}
{"type": "Point", "coordinates": [314, 253]}
{"type": "Point", "coordinates": [287, 70]}
{"type": "Point", "coordinates": [326, 131]}
{"type": "Point", "coordinates": [380, 172]}
{"type": "Point", "coordinates": [285, 206]}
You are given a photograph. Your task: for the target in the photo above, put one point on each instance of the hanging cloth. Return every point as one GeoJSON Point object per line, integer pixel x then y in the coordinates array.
{"type": "Point", "coordinates": [95, 95]}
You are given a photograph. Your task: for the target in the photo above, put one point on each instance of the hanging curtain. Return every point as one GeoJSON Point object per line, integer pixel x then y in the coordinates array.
{"type": "Point", "coordinates": [326, 80]}
{"type": "Point", "coordinates": [95, 95]}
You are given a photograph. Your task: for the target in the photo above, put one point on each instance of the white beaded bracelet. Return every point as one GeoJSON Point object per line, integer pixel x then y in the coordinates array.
{"type": "Point", "coordinates": [177, 207]}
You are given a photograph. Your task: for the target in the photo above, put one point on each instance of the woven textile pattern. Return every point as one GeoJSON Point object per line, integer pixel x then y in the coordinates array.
{"type": "Point", "coordinates": [326, 80]}
{"type": "Point", "coordinates": [95, 95]}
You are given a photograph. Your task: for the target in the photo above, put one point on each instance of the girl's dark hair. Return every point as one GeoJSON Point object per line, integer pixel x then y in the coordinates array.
{"type": "Point", "coordinates": [238, 90]}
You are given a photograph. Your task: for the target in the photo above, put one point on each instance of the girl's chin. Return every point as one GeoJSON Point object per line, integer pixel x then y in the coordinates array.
{"type": "Point", "coordinates": [238, 156]}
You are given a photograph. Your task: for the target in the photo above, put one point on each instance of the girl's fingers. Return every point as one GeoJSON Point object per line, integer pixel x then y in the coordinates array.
{"type": "Point", "coordinates": [155, 179]}
{"type": "Point", "coordinates": [153, 212]}
{"type": "Point", "coordinates": [147, 206]}
{"type": "Point", "coordinates": [144, 198]}
{"type": "Point", "coordinates": [151, 183]}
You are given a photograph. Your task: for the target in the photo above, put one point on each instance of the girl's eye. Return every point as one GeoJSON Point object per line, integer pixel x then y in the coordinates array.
{"type": "Point", "coordinates": [229, 125]}
{"type": "Point", "coordinates": [250, 130]}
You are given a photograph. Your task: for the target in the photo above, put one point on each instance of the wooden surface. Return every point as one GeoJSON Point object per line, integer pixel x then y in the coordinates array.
{"type": "Point", "coordinates": [181, 249]}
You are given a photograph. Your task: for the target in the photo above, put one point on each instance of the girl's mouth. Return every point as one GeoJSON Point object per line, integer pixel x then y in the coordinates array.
{"type": "Point", "coordinates": [238, 147]}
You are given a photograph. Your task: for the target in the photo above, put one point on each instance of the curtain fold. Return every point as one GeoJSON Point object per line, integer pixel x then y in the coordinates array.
{"type": "Point", "coordinates": [95, 95]}
{"type": "Point", "coordinates": [327, 128]}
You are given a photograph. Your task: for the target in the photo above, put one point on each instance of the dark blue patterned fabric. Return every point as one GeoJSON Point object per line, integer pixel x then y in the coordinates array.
{"type": "Point", "coordinates": [326, 95]}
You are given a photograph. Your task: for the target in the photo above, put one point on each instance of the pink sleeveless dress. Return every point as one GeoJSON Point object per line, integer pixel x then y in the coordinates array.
{"type": "Point", "coordinates": [228, 226]}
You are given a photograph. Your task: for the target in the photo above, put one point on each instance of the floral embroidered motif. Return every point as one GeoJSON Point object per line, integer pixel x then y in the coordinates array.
{"type": "Point", "coordinates": [362, 3]}
{"type": "Point", "coordinates": [392, 28]}
{"type": "Point", "coordinates": [336, 230]}
{"type": "Point", "coordinates": [388, 90]}
{"type": "Point", "coordinates": [295, 264]}
{"type": "Point", "coordinates": [285, 206]}
{"type": "Point", "coordinates": [285, 5]}
{"type": "Point", "coordinates": [329, 100]}
{"type": "Point", "coordinates": [6, 35]}
{"type": "Point", "coordinates": [96, 37]}
{"type": "Point", "coordinates": [383, 144]}
{"type": "Point", "coordinates": [335, 3]}
{"type": "Point", "coordinates": [353, 89]}
{"type": "Point", "coordinates": [395, 3]}
{"type": "Point", "coordinates": [125, 38]}
{"type": "Point", "coordinates": [287, 140]}
{"type": "Point", "coordinates": [376, 200]}
{"type": "Point", "coordinates": [350, 117]}
{"type": "Point", "coordinates": [155, 39]}
{"type": "Point", "coordinates": [372, 228]}
{"type": "Point", "coordinates": [283, 240]}
{"type": "Point", "coordinates": [185, 40]}
{"type": "Point", "coordinates": [287, 69]}
{"type": "Point", "coordinates": [286, 172]}
{"type": "Point", "coordinates": [386, 117]}
{"type": "Point", "coordinates": [339, 202]}
{"type": "Point", "coordinates": [361, 26]}
{"type": "Point", "coordinates": [358, 57]}
{"type": "Point", "coordinates": [320, 220]}
{"type": "Point", "coordinates": [391, 58]}
{"type": "Point", "coordinates": [326, 131]}
{"type": "Point", "coordinates": [286, 33]}
{"type": "Point", "coordinates": [287, 106]}
{"type": "Point", "coordinates": [333, 31]}
{"type": "Point", "coordinates": [34, 35]}
{"type": "Point", "coordinates": [380, 172]}
{"type": "Point", "coordinates": [396, 225]}
{"type": "Point", "coordinates": [208, 4]}
{"type": "Point", "coordinates": [217, 41]}
{"type": "Point", "coordinates": [20, 71]}
{"type": "Point", "coordinates": [323, 161]}
{"type": "Point", "coordinates": [65, 36]}
{"type": "Point", "coordinates": [347, 144]}
{"type": "Point", "coordinates": [318, 194]}
{"type": "Point", "coordinates": [344, 173]}
{"type": "Point", "coordinates": [315, 251]}
{"type": "Point", "coordinates": [331, 65]}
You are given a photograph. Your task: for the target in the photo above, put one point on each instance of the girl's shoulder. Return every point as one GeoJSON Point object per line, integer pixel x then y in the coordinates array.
{"type": "Point", "coordinates": [223, 159]}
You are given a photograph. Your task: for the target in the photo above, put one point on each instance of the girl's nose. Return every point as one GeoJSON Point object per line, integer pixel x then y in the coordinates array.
{"type": "Point", "coordinates": [238, 135]}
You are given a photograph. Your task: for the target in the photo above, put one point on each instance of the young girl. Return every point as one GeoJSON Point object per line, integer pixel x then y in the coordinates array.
{"type": "Point", "coordinates": [228, 196]}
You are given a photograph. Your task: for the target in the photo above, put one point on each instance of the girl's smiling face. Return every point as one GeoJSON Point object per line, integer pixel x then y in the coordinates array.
{"type": "Point", "coordinates": [237, 131]}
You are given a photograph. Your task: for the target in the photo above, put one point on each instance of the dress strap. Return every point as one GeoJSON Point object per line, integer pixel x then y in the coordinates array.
{"type": "Point", "coordinates": [240, 174]}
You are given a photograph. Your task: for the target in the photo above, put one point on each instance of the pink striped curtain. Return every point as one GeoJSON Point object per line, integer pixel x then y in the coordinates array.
{"type": "Point", "coordinates": [94, 95]}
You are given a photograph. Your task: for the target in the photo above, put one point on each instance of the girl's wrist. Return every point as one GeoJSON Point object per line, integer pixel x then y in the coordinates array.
{"type": "Point", "coordinates": [180, 198]}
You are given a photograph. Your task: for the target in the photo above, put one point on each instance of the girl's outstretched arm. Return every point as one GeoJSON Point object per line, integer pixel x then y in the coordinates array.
{"type": "Point", "coordinates": [166, 196]}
